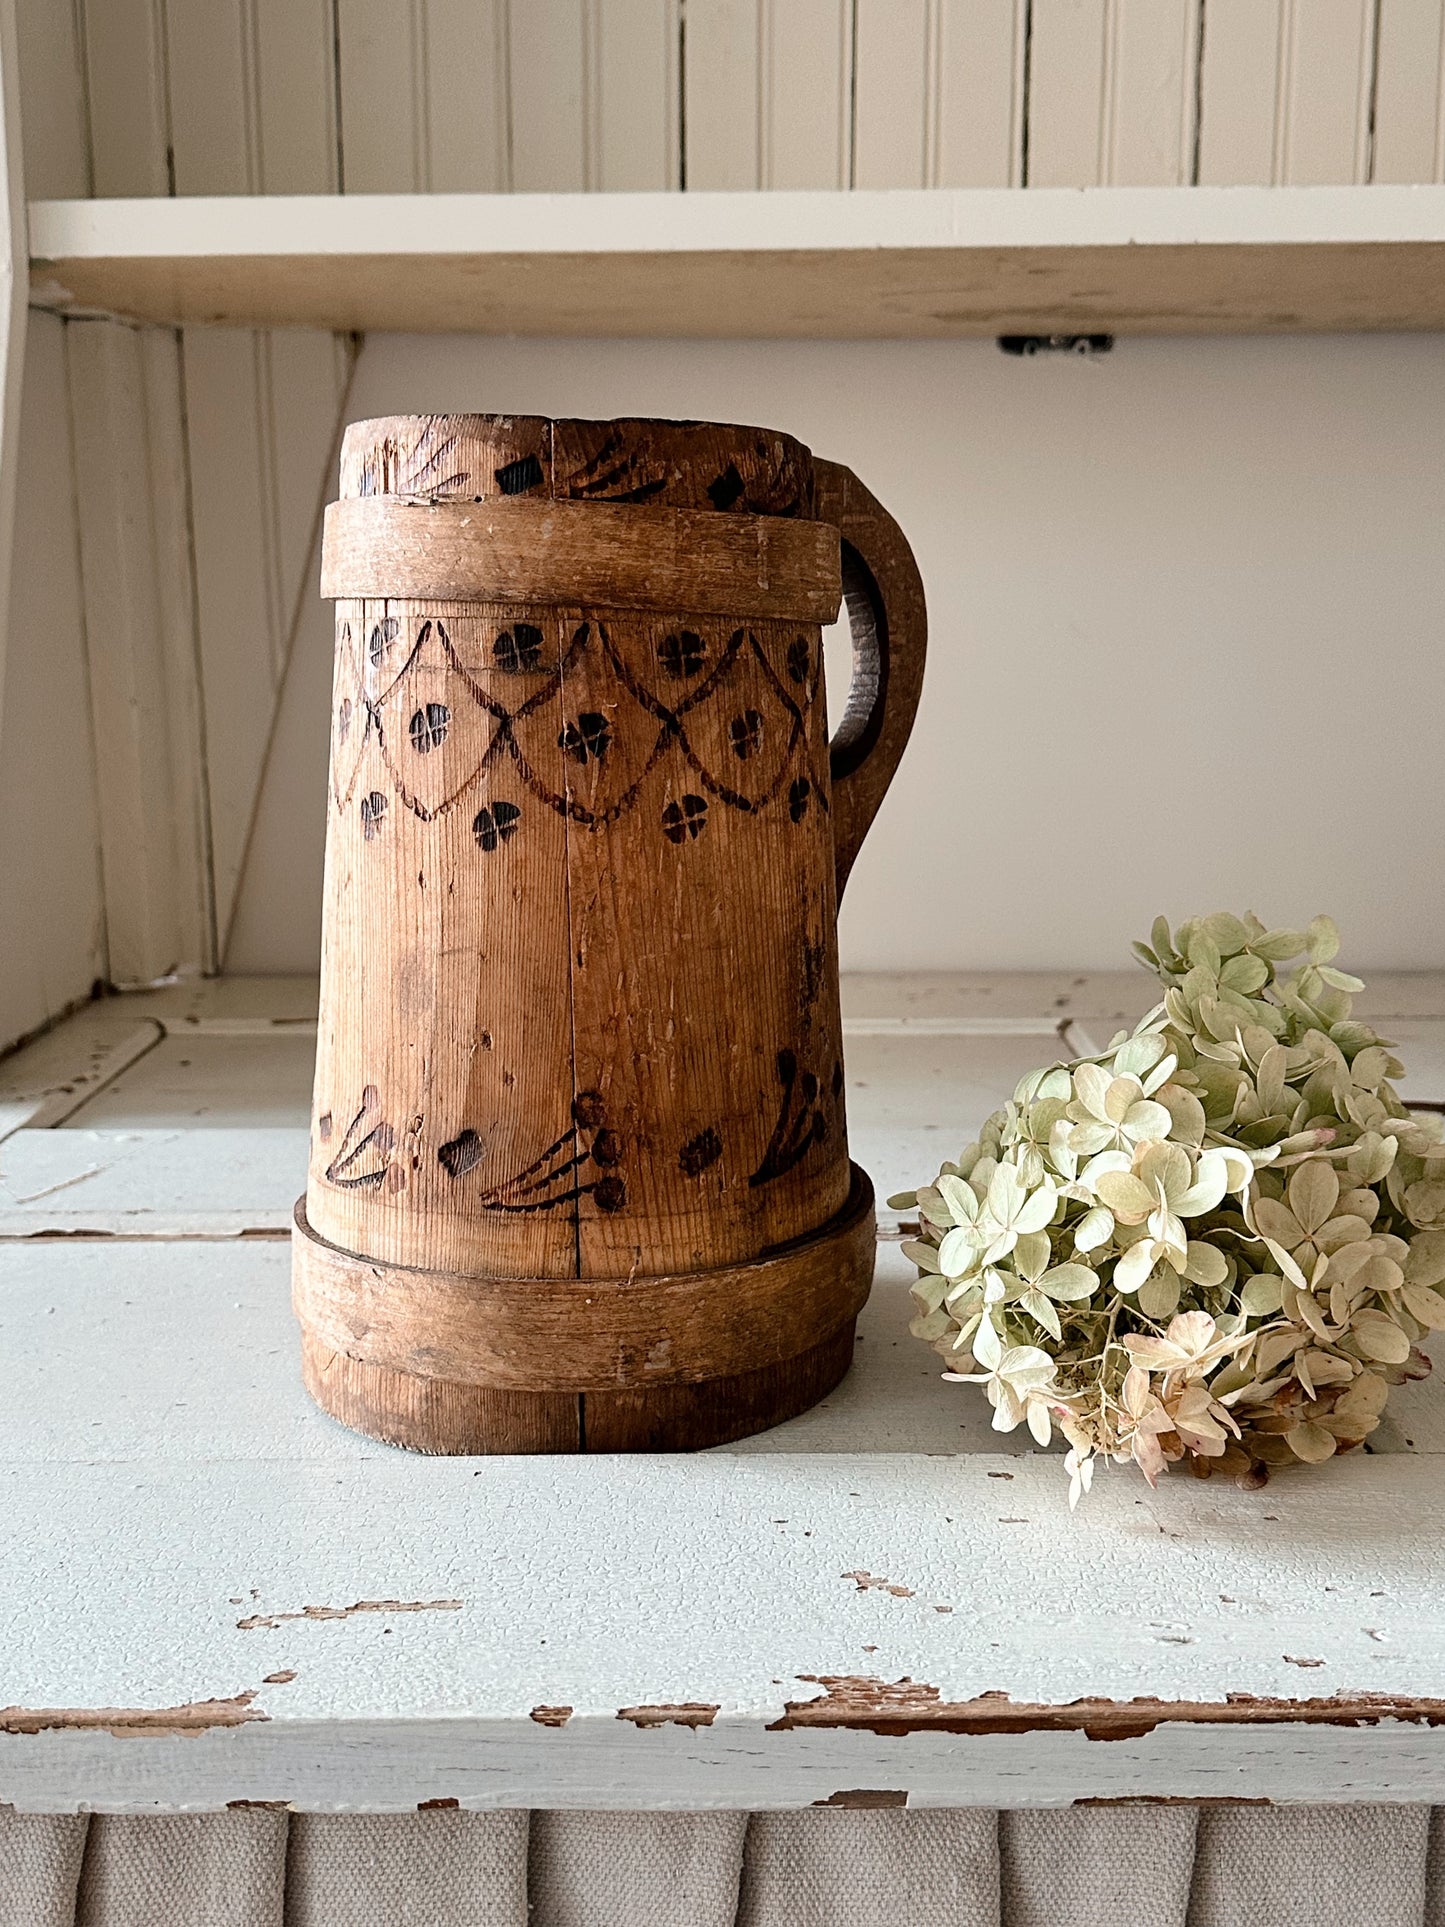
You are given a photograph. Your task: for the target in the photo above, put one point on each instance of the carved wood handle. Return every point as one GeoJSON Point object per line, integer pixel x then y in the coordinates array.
{"type": "Point", "coordinates": [883, 593]}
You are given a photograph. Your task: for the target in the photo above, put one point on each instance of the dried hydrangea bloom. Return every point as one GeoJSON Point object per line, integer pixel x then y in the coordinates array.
{"type": "Point", "coordinates": [1222, 1239]}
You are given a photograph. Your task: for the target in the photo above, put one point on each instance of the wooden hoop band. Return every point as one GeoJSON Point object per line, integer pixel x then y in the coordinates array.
{"type": "Point", "coordinates": [581, 554]}
{"type": "Point", "coordinates": [587, 1334]}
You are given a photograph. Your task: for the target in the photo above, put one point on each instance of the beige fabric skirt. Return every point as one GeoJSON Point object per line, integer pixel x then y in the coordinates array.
{"type": "Point", "coordinates": [1130, 1866]}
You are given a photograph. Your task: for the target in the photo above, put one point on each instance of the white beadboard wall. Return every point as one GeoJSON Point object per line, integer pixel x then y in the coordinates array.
{"type": "Point", "coordinates": [291, 96]}
{"type": "Point", "coordinates": [52, 935]}
{"type": "Point", "coordinates": [1185, 603]}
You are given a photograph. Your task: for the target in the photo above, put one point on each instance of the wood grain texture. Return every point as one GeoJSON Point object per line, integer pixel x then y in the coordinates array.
{"type": "Point", "coordinates": [443, 1417]}
{"type": "Point", "coordinates": [588, 1333]}
{"type": "Point", "coordinates": [930, 263]}
{"type": "Point", "coordinates": [889, 622]}
{"type": "Point", "coordinates": [580, 1005]}
{"type": "Point", "coordinates": [569, 553]}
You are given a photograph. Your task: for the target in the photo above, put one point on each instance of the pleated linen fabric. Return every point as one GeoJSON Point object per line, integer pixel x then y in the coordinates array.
{"type": "Point", "coordinates": [430, 1869]}
{"type": "Point", "coordinates": [220, 1869]}
{"type": "Point", "coordinates": [931, 1868]}
{"type": "Point", "coordinates": [635, 1869]}
{"type": "Point", "coordinates": [1131, 1865]}
{"type": "Point", "coordinates": [1107, 1866]}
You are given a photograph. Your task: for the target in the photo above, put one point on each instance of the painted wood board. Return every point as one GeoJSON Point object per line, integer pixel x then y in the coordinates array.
{"type": "Point", "coordinates": [135, 564]}
{"type": "Point", "coordinates": [1327, 91]}
{"type": "Point", "coordinates": [893, 76]}
{"type": "Point", "coordinates": [982, 54]}
{"type": "Point", "coordinates": [929, 262]}
{"type": "Point", "coordinates": [704, 1632]}
{"type": "Point", "coordinates": [56, 137]}
{"type": "Point", "coordinates": [1410, 92]}
{"type": "Point", "coordinates": [152, 1182]}
{"type": "Point", "coordinates": [381, 89]}
{"type": "Point", "coordinates": [721, 147]}
{"type": "Point", "coordinates": [1068, 89]}
{"type": "Point", "coordinates": [205, 1081]}
{"type": "Point", "coordinates": [375, 1632]}
{"type": "Point", "coordinates": [43, 1081]}
{"type": "Point", "coordinates": [221, 1315]}
{"type": "Point", "coordinates": [547, 89]}
{"type": "Point", "coordinates": [468, 140]}
{"type": "Point", "coordinates": [52, 952]}
{"type": "Point", "coordinates": [295, 69]}
{"type": "Point", "coordinates": [1239, 91]}
{"type": "Point", "coordinates": [807, 110]}
{"type": "Point", "coordinates": [125, 97]}
{"type": "Point", "coordinates": [634, 54]}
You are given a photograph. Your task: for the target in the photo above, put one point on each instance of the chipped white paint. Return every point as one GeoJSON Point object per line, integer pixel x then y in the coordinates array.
{"type": "Point", "coordinates": [169, 1491]}
{"type": "Point", "coordinates": [717, 1582]}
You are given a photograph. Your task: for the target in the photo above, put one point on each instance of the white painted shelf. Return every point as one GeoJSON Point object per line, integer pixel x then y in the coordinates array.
{"type": "Point", "coordinates": [939, 262]}
{"type": "Point", "coordinates": [212, 1593]}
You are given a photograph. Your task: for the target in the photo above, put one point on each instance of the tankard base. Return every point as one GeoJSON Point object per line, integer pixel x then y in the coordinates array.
{"type": "Point", "coordinates": [449, 1364]}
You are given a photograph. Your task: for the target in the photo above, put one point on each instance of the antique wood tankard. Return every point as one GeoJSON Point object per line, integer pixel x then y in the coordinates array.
{"type": "Point", "coordinates": [579, 1174]}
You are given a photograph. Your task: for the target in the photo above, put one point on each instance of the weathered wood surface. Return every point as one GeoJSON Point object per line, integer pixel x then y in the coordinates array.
{"type": "Point", "coordinates": [888, 623]}
{"type": "Point", "coordinates": [797, 1627]}
{"type": "Point", "coordinates": [582, 554]}
{"type": "Point", "coordinates": [760, 1626]}
{"type": "Point", "coordinates": [597, 1334]}
{"type": "Point", "coordinates": [579, 966]}
{"type": "Point", "coordinates": [924, 263]}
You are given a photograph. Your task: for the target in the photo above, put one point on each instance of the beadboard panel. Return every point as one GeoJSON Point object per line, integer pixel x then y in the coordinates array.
{"type": "Point", "coordinates": [252, 96]}
{"type": "Point", "coordinates": [1410, 92]}
{"type": "Point", "coordinates": [262, 419]}
{"type": "Point", "coordinates": [135, 570]}
{"type": "Point", "coordinates": [1288, 89]}
{"type": "Point", "coordinates": [1112, 89]}
{"type": "Point", "coordinates": [979, 123]}
{"type": "Point", "coordinates": [896, 67]}
{"type": "Point", "coordinates": [56, 134]}
{"type": "Point", "coordinates": [203, 455]}
{"type": "Point", "coordinates": [51, 926]}
{"type": "Point", "coordinates": [467, 124]}
{"type": "Point", "coordinates": [720, 76]}
{"type": "Point", "coordinates": [442, 96]}
{"type": "Point", "coordinates": [806, 106]}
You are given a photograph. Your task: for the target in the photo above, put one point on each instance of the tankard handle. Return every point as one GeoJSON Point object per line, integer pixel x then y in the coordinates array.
{"type": "Point", "coordinates": [883, 593]}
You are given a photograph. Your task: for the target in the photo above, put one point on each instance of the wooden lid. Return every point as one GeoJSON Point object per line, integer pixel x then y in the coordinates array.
{"type": "Point", "coordinates": [726, 468]}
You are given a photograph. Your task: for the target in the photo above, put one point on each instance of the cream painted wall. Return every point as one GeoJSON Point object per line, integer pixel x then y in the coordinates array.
{"type": "Point", "coordinates": [1187, 606]}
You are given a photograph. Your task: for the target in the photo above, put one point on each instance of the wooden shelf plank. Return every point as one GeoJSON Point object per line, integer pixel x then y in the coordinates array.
{"type": "Point", "coordinates": [941, 262]}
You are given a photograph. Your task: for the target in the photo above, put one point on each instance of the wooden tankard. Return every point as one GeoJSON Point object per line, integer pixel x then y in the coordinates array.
{"type": "Point", "coordinates": [579, 1173]}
